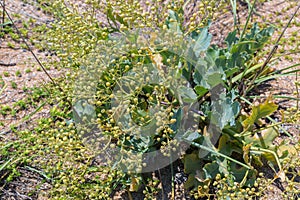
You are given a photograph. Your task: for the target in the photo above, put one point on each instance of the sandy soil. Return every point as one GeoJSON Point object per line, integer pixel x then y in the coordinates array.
{"type": "Point", "coordinates": [19, 59]}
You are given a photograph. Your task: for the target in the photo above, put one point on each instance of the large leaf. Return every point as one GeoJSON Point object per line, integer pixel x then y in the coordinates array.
{"type": "Point", "coordinates": [227, 146]}
{"type": "Point", "coordinates": [173, 22]}
{"type": "Point", "coordinates": [193, 166]}
{"type": "Point", "coordinates": [200, 90]}
{"type": "Point", "coordinates": [231, 38]}
{"type": "Point", "coordinates": [190, 136]}
{"type": "Point", "coordinates": [239, 174]}
{"type": "Point", "coordinates": [233, 59]}
{"type": "Point", "coordinates": [263, 139]}
{"type": "Point", "coordinates": [191, 163]}
{"type": "Point", "coordinates": [224, 110]}
{"type": "Point", "coordinates": [176, 127]}
{"type": "Point", "coordinates": [207, 74]}
{"type": "Point", "coordinates": [187, 94]}
{"type": "Point", "coordinates": [259, 111]}
{"type": "Point", "coordinates": [211, 169]}
{"type": "Point", "coordinates": [191, 182]}
{"type": "Point", "coordinates": [202, 42]}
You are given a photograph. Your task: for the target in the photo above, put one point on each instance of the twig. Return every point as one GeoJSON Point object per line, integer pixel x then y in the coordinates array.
{"type": "Point", "coordinates": [129, 195]}
{"type": "Point", "coordinates": [297, 91]}
{"type": "Point", "coordinates": [23, 196]}
{"type": "Point", "coordinates": [172, 179]}
{"type": "Point", "coordinates": [6, 163]}
{"type": "Point", "coordinates": [8, 64]}
{"type": "Point", "coordinates": [162, 187]}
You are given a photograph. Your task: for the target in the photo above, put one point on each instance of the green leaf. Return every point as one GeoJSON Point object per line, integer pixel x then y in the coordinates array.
{"type": "Point", "coordinates": [263, 139]}
{"type": "Point", "coordinates": [191, 136]}
{"type": "Point", "coordinates": [178, 116]}
{"type": "Point", "coordinates": [202, 42]}
{"type": "Point", "coordinates": [207, 74]}
{"type": "Point", "coordinates": [224, 110]}
{"type": "Point", "coordinates": [191, 182]}
{"type": "Point", "coordinates": [231, 39]}
{"type": "Point", "coordinates": [200, 90]}
{"type": "Point", "coordinates": [227, 146]}
{"type": "Point", "coordinates": [240, 172]}
{"type": "Point", "coordinates": [191, 163]}
{"type": "Point", "coordinates": [214, 79]}
{"type": "Point", "coordinates": [211, 169]}
{"type": "Point", "coordinates": [187, 94]}
{"type": "Point", "coordinates": [6, 23]}
{"type": "Point", "coordinates": [262, 110]}
{"type": "Point", "coordinates": [173, 22]}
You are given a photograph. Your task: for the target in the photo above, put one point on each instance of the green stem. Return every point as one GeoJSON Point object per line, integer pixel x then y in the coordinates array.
{"type": "Point", "coordinates": [219, 154]}
{"type": "Point", "coordinates": [297, 91]}
{"type": "Point", "coordinates": [248, 19]}
{"type": "Point", "coordinates": [256, 131]}
{"type": "Point", "coordinates": [261, 150]}
{"type": "Point", "coordinates": [185, 4]}
{"type": "Point", "coordinates": [35, 111]}
{"type": "Point", "coordinates": [233, 5]}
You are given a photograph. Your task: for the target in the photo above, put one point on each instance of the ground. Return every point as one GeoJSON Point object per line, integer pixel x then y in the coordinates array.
{"type": "Point", "coordinates": [17, 65]}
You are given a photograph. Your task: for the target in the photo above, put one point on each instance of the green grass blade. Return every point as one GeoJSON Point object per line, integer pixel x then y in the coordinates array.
{"type": "Point", "coordinates": [248, 19]}
{"type": "Point", "coordinates": [266, 78]}
{"type": "Point", "coordinates": [286, 68]}
{"type": "Point", "coordinates": [233, 5]}
{"type": "Point", "coordinates": [38, 171]}
{"type": "Point", "coordinates": [6, 163]}
{"type": "Point", "coordinates": [251, 69]}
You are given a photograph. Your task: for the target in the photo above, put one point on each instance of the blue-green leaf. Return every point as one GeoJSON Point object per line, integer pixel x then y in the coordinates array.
{"type": "Point", "coordinates": [187, 94]}
{"type": "Point", "coordinates": [203, 42]}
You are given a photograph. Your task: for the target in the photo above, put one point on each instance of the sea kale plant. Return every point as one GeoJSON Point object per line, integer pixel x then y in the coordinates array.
{"type": "Point", "coordinates": [150, 89]}
{"type": "Point", "coordinates": [144, 87]}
